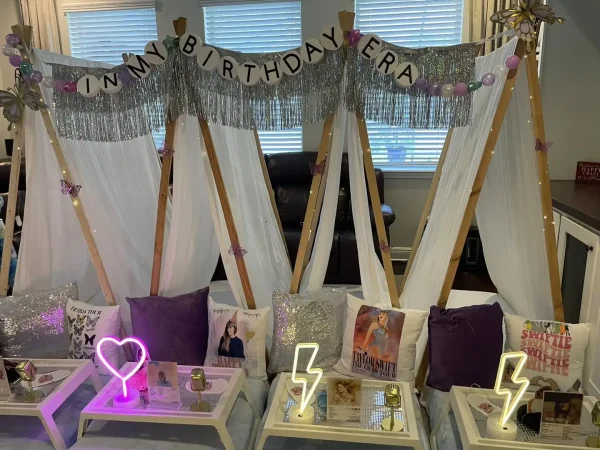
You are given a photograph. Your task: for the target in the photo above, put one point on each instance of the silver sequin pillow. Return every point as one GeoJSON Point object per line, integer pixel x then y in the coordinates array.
{"type": "Point", "coordinates": [314, 317]}
{"type": "Point", "coordinates": [33, 325]}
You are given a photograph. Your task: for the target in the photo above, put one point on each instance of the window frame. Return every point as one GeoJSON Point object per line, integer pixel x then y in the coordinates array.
{"type": "Point", "coordinates": [67, 6]}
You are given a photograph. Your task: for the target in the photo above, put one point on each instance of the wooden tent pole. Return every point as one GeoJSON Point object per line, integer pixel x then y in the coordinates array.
{"type": "Point", "coordinates": [163, 190]}
{"type": "Point", "coordinates": [319, 181]}
{"type": "Point", "coordinates": [313, 208]}
{"type": "Point", "coordinates": [544, 183]}
{"type": "Point", "coordinates": [84, 224]}
{"type": "Point", "coordinates": [265, 172]}
{"type": "Point", "coordinates": [426, 209]}
{"type": "Point", "coordinates": [227, 213]}
{"type": "Point", "coordinates": [11, 208]}
{"type": "Point", "coordinates": [377, 214]}
{"type": "Point", "coordinates": [469, 213]}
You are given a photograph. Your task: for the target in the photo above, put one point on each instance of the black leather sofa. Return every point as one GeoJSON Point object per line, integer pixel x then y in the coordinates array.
{"type": "Point", "coordinates": [291, 177]}
{"type": "Point", "coordinates": [4, 185]}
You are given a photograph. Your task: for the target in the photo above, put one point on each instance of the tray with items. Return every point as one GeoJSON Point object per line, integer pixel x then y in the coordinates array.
{"type": "Point", "coordinates": [472, 423]}
{"type": "Point", "coordinates": [346, 410]}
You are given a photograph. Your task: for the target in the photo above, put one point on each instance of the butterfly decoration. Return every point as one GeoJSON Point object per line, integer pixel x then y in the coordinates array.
{"type": "Point", "coordinates": [318, 169]}
{"type": "Point", "coordinates": [384, 246]}
{"type": "Point", "coordinates": [165, 150]}
{"type": "Point", "coordinates": [354, 37]}
{"type": "Point", "coordinates": [91, 323]}
{"type": "Point", "coordinates": [89, 340]}
{"type": "Point", "coordinates": [80, 319]}
{"type": "Point", "coordinates": [91, 356]}
{"type": "Point", "coordinates": [237, 251]}
{"type": "Point", "coordinates": [70, 337]}
{"type": "Point", "coordinates": [77, 346]}
{"type": "Point", "coordinates": [69, 189]}
{"type": "Point", "coordinates": [14, 99]}
{"type": "Point", "coordinates": [542, 146]}
{"type": "Point", "coordinates": [525, 18]}
{"type": "Point", "coordinates": [71, 321]}
{"type": "Point", "coordinates": [78, 330]}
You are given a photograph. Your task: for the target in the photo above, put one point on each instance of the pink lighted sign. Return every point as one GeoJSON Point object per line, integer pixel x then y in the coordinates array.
{"type": "Point", "coordinates": [114, 371]}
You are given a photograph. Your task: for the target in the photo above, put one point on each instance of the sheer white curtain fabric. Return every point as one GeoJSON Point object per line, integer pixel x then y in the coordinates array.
{"type": "Point", "coordinates": [424, 283]}
{"type": "Point", "coordinates": [372, 275]}
{"type": "Point", "coordinates": [509, 214]}
{"type": "Point", "coordinates": [192, 250]}
{"type": "Point", "coordinates": [314, 275]}
{"type": "Point", "coordinates": [119, 191]}
{"type": "Point", "coordinates": [53, 251]}
{"type": "Point", "coordinates": [266, 257]}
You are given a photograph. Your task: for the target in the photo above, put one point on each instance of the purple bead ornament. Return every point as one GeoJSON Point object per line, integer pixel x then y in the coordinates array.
{"type": "Point", "coordinates": [12, 39]}
{"type": "Point", "coordinates": [36, 76]}
{"type": "Point", "coordinates": [488, 79]}
{"type": "Point", "coordinates": [15, 60]}
{"type": "Point", "coordinates": [461, 89]}
{"type": "Point", "coordinates": [512, 62]}
{"type": "Point", "coordinates": [421, 83]}
{"type": "Point", "coordinates": [435, 90]}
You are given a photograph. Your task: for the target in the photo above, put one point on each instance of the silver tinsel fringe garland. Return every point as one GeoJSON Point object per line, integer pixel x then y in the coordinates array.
{"type": "Point", "coordinates": [380, 99]}
{"type": "Point", "coordinates": [181, 86]}
{"type": "Point", "coordinates": [136, 110]}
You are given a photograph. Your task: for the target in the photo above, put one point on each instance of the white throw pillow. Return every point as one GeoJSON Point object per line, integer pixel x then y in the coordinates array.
{"type": "Point", "coordinates": [236, 338]}
{"type": "Point", "coordinates": [555, 350]}
{"type": "Point", "coordinates": [379, 341]}
{"type": "Point", "coordinates": [87, 325]}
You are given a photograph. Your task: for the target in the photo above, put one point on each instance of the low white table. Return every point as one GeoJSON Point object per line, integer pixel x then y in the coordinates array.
{"type": "Point", "coordinates": [55, 394]}
{"type": "Point", "coordinates": [472, 425]}
{"type": "Point", "coordinates": [101, 407]}
{"type": "Point", "coordinates": [368, 431]}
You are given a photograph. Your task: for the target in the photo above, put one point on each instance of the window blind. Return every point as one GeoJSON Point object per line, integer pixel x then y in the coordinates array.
{"type": "Point", "coordinates": [258, 27]}
{"type": "Point", "coordinates": [104, 34]}
{"type": "Point", "coordinates": [409, 23]}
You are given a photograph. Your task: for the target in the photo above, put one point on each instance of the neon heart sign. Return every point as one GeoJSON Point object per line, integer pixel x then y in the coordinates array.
{"type": "Point", "coordinates": [115, 372]}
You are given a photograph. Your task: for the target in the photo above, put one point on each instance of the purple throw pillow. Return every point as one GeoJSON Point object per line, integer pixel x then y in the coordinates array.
{"type": "Point", "coordinates": [173, 328]}
{"type": "Point", "coordinates": [465, 345]}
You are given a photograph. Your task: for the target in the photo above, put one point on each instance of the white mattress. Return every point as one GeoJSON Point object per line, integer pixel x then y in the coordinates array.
{"type": "Point", "coordinates": [275, 442]}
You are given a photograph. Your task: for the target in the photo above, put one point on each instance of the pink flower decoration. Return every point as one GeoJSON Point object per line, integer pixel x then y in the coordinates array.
{"type": "Point", "coordinates": [354, 37]}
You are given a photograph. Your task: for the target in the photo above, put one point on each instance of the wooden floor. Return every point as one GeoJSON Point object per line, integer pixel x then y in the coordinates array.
{"type": "Point", "coordinates": [466, 281]}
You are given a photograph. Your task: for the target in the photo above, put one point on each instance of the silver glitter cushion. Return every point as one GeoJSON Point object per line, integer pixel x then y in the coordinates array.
{"type": "Point", "coordinates": [33, 325]}
{"type": "Point", "coordinates": [314, 317]}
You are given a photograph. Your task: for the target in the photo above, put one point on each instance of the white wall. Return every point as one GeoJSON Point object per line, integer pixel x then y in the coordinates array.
{"type": "Point", "coordinates": [8, 17]}
{"type": "Point", "coordinates": [570, 89]}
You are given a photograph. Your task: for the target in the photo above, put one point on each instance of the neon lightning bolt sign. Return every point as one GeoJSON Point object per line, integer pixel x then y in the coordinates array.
{"type": "Point", "coordinates": [511, 403]}
{"type": "Point", "coordinates": [310, 370]}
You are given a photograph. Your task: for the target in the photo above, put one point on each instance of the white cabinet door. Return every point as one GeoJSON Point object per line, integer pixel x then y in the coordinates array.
{"type": "Point", "coordinates": [577, 259]}
{"type": "Point", "coordinates": [578, 252]}
{"type": "Point", "coordinates": [557, 218]}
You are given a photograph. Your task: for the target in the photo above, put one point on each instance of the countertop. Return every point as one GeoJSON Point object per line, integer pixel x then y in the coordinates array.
{"type": "Point", "coordinates": [579, 200]}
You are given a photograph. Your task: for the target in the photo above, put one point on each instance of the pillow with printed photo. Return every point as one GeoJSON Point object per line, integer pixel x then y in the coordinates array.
{"type": "Point", "coordinates": [236, 338]}
{"type": "Point", "coordinates": [379, 341]}
{"type": "Point", "coordinates": [87, 325]}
